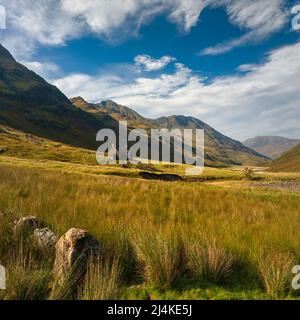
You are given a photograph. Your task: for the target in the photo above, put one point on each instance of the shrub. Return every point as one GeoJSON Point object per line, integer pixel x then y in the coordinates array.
{"type": "Point", "coordinates": [249, 173]}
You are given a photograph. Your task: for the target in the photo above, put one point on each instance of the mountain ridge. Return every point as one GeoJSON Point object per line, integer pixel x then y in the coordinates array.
{"type": "Point", "coordinates": [218, 146]}
{"type": "Point", "coordinates": [30, 104]}
{"type": "Point", "coordinates": [271, 146]}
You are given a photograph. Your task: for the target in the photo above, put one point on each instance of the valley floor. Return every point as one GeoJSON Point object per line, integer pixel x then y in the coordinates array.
{"type": "Point", "coordinates": [251, 228]}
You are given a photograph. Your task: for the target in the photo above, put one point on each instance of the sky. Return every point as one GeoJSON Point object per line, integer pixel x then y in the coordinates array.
{"type": "Point", "coordinates": [234, 64]}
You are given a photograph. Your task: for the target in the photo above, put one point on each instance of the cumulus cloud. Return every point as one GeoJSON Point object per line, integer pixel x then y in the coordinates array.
{"type": "Point", "coordinates": [148, 63]}
{"type": "Point", "coordinates": [54, 22]}
{"type": "Point", "coordinates": [263, 100]}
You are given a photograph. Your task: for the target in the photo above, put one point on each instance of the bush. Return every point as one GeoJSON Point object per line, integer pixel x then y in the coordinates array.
{"type": "Point", "coordinates": [249, 174]}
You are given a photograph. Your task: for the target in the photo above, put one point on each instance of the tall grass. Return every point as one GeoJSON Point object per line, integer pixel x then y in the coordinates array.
{"type": "Point", "coordinates": [28, 269]}
{"type": "Point", "coordinates": [28, 276]}
{"type": "Point", "coordinates": [275, 269]}
{"type": "Point", "coordinates": [102, 282]}
{"type": "Point", "coordinates": [209, 262]}
{"type": "Point", "coordinates": [141, 224]}
{"type": "Point", "coordinates": [163, 257]}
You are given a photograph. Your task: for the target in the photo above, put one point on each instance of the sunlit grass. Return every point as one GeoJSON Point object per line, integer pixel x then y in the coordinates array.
{"type": "Point", "coordinates": [133, 220]}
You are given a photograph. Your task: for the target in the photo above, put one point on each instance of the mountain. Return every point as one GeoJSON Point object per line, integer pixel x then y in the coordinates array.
{"type": "Point", "coordinates": [288, 162]}
{"type": "Point", "coordinates": [109, 107]}
{"type": "Point", "coordinates": [272, 147]}
{"type": "Point", "coordinates": [219, 149]}
{"type": "Point", "coordinates": [29, 104]}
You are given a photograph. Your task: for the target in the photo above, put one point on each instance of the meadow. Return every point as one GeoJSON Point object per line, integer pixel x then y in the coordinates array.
{"type": "Point", "coordinates": [218, 238]}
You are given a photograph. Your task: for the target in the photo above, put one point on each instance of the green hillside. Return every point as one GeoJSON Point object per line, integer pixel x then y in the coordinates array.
{"type": "Point", "coordinates": [288, 162]}
{"type": "Point", "coordinates": [30, 104]}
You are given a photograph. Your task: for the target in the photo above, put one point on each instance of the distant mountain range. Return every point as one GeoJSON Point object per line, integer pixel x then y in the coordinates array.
{"type": "Point", "coordinates": [288, 162]}
{"type": "Point", "coordinates": [271, 146]}
{"type": "Point", "coordinates": [31, 105]}
{"type": "Point", "coordinates": [219, 149]}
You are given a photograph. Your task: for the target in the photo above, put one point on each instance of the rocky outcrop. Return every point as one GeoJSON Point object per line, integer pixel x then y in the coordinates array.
{"type": "Point", "coordinates": [74, 250]}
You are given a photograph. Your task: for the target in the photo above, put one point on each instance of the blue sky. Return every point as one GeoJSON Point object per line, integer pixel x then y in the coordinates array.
{"type": "Point", "coordinates": [161, 38]}
{"type": "Point", "coordinates": [234, 64]}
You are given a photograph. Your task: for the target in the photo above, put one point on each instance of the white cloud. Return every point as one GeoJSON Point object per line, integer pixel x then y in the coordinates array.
{"type": "Point", "coordinates": [259, 18]}
{"type": "Point", "coordinates": [186, 13]}
{"type": "Point", "coordinates": [46, 69]}
{"type": "Point", "coordinates": [54, 22]}
{"type": "Point", "coordinates": [150, 64]}
{"type": "Point", "coordinates": [248, 67]}
{"type": "Point", "coordinates": [264, 100]}
{"type": "Point", "coordinates": [31, 23]}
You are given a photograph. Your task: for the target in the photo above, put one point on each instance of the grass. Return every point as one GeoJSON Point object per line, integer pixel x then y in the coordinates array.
{"type": "Point", "coordinates": [210, 263]}
{"type": "Point", "coordinates": [275, 268]}
{"type": "Point", "coordinates": [153, 234]}
{"type": "Point", "coordinates": [102, 282]}
{"type": "Point", "coordinates": [14, 143]}
{"type": "Point", "coordinates": [163, 258]}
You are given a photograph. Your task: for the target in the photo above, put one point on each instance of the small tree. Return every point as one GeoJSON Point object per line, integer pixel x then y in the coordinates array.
{"type": "Point", "coordinates": [248, 173]}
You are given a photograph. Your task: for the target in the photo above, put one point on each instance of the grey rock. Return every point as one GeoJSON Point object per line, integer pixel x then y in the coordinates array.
{"type": "Point", "coordinates": [45, 238]}
{"type": "Point", "coordinates": [27, 224]}
{"type": "Point", "coordinates": [74, 251]}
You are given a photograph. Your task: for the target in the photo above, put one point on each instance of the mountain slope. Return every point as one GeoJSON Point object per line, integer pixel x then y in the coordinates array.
{"type": "Point", "coordinates": [116, 111]}
{"type": "Point", "coordinates": [218, 147]}
{"type": "Point", "coordinates": [220, 150]}
{"type": "Point", "coordinates": [272, 147]}
{"type": "Point", "coordinates": [30, 104]}
{"type": "Point", "coordinates": [288, 162]}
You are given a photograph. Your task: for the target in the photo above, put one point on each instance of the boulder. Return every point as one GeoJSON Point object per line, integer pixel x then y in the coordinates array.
{"type": "Point", "coordinates": [27, 224]}
{"type": "Point", "coordinates": [45, 238]}
{"type": "Point", "coordinates": [74, 251]}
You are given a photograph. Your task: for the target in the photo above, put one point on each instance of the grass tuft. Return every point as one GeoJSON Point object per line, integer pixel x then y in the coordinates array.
{"type": "Point", "coordinates": [163, 257]}
{"type": "Point", "coordinates": [102, 282]}
{"type": "Point", "coordinates": [210, 262]}
{"type": "Point", "coordinates": [275, 270]}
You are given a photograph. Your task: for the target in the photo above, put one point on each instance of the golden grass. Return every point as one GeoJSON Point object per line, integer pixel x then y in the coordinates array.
{"type": "Point", "coordinates": [102, 282]}
{"type": "Point", "coordinates": [275, 269]}
{"type": "Point", "coordinates": [162, 255]}
{"type": "Point", "coordinates": [123, 213]}
{"type": "Point", "coordinates": [210, 262]}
